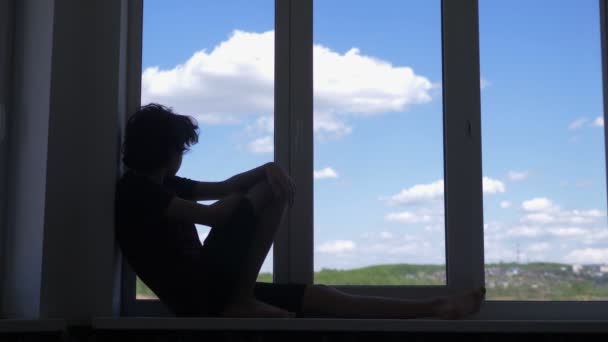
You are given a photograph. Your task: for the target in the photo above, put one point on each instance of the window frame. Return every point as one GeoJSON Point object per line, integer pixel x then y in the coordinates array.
{"type": "Point", "coordinates": [464, 235]}
{"type": "Point", "coordinates": [560, 310]}
{"type": "Point", "coordinates": [7, 31]}
{"type": "Point", "coordinates": [294, 133]}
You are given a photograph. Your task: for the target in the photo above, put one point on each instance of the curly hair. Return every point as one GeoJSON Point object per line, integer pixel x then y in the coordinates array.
{"type": "Point", "coordinates": [153, 134]}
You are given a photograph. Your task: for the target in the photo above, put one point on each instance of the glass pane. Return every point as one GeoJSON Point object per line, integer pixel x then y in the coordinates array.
{"type": "Point", "coordinates": [214, 60]}
{"type": "Point", "coordinates": [541, 94]}
{"type": "Point", "coordinates": [378, 135]}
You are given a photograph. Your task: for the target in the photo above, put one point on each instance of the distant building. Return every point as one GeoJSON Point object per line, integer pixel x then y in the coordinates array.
{"type": "Point", "coordinates": [577, 268]}
{"type": "Point", "coordinates": [604, 269]}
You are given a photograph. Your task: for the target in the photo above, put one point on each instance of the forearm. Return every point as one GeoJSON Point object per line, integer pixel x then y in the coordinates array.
{"type": "Point", "coordinates": [242, 182]}
{"type": "Point", "coordinates": [191, 211]}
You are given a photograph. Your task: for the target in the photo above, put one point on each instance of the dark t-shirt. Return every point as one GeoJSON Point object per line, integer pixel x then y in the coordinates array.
{"type": "Point", "coordinates": [156, 247]}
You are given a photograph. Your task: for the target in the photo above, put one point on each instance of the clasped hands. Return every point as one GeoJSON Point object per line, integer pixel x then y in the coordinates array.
{"type": "Point", "coordinates": [282, 185]}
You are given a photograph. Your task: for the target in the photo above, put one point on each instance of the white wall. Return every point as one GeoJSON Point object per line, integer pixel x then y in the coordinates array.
{"type": "Point", "coordinates": [7, 15]}
{"type": "Point", "coordinates": [61, 259]}
{"type": "Point", "coordinates": [79, 249]}
{"type": "Point", "coordinates": [27, 159]}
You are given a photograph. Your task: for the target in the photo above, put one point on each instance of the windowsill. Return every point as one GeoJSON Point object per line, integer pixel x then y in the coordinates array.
{"type": "Point", "coordinates": [32, 325]}
{"type": "Point", "coordinates": [331, 324]}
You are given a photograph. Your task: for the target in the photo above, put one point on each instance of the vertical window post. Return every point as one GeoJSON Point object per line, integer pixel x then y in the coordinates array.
{"type": "Point", "coordinates": [7, 14]}
{"type": "Point", "coordinates": [132, 33]}
{"type": "Point", "coordinates": [293, 250]}
{"type": "Point", "coordinates": [462, 145]}
{"type": "Point", "coordinates": [604, 42]}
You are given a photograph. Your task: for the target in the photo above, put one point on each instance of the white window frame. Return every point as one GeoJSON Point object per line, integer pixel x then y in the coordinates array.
{"type": "Point", "coordinates": [7, 29]}
{"type": "Point", "coordinates": [558, 310]}
{"type": "Point", "coordinates": [464, 235]}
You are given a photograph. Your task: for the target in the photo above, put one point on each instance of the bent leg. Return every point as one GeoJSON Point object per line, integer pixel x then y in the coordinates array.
{"type": "Point", "coordinates": [326, 301]}
{"type": "Point", "coordinates": [269, 211]}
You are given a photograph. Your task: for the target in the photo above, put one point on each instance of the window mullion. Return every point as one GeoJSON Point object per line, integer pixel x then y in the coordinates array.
{"type": "Point", "coordinates": [7, 14]}
{"type": "Point", "coordinates": [132, 32]}
{"type": "Point", "coordinates": [462, 145]}
{"type": "Point", "coordinates": [604, 42]}
{"type": "Point", "coordinates": [293, 249]}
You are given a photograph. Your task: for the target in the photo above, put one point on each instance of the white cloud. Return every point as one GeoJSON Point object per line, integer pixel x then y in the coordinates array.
{"type": "Point", "coordinates": [598, 122]}
{"type": "Point", "coordinates": [407, 217]}
{"type": "Point", "coordinates": [263, 124]}
{"type": "Point", "coordinates": [327, 172]}
{"type": "Point", "coordinates": [211, 119]}
{"type": "Point", "coordinates": [417, 249]}
{"type": "Point", "coordinates": [492, 186]}
{"type": "Point", "coordinates": [588, 255]}
{"type": "Point", "coordinates": [419, 193]}
{"type": "Point", "coordinates": [327, 126]}
{"type": "Point", "coordinates": [492, 227]}
{"type": "Point", "coordinates": [538, 204]}
{"type": "Point", "coordinates": [435, 228]}
{"type": "Point", "coordinates": [548, 233]}
{"type": "Point", "coordinates": [505, 204]}
{"type": "Point", "coordinates": [434, 191]}
{"type": "Point", "coordinates": [543, 211]}
{"type": "Point", "coordinates": [589, 213]}
{"type": "Point", "coordinates": [356, 83]}
{"type": "Point", "coordinates": [596, 236]}
{"type": "Point", "coordinates": [517, 175]}
{"type": "Point", "coordinates": [408, 249]}
{"type": "Point", "coordinates": [578, 123]}
{"type": "Point", "coordinates": [483, 83]}
{"type": "Point", "coordinates": [539, 247]}
{"type": "Point", "coordinates": [235, 79]}
{"type": "Point", "coordinates": [567, 231]}
{"type": "Point", "coordinates": [542, 218]}
{"type": "Point", "coordinates": [337, 246]}
{"type": "Point", "coordinates": [262, 145]}
{"type": "Point", "coordinates": [386, 235]}
{"type": "Point", "coordinates": [525, 231]}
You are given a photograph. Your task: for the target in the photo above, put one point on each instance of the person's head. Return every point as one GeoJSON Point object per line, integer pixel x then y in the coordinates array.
{"type": "Point", "coordinates": [156, 138]}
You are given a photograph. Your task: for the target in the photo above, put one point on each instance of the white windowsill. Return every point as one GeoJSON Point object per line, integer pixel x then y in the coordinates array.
{"type": "Point", "coordinates": [32, 325]}
{"type": "Point", "coordinates": [331, 324]}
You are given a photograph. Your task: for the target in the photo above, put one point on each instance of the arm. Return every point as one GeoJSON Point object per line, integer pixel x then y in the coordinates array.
{"type": "Point", "coordinates": [238, 184]}
{"type": "Point", "coordinates": [242, 182]}
{"type": "Point", "coordinates": [212, 190]}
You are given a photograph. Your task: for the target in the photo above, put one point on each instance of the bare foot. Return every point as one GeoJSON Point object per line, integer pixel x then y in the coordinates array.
{"type": "Point", "coordinates": [255, 308]}
{"type": "Point", "coordinates": [459, 306]}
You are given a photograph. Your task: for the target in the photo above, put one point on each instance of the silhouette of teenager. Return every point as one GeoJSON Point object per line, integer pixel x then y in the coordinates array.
{"type": "Point", "coordinates": [156, 213]}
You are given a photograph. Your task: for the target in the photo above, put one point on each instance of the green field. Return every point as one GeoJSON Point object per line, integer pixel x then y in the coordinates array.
{"type": "Point", "coordinates": [504, 281]}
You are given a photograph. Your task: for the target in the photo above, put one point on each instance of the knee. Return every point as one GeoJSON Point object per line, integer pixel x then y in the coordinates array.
{"type": "Point", "coordinates": [272, 196]}
{"type": "Point", "coordinates": [262, 196]}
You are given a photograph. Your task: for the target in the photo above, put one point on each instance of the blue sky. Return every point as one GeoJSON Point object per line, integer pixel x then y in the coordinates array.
{"type": "Point", "coordinates": [378, 120]}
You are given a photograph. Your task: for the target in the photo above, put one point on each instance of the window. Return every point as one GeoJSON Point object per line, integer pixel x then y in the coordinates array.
{"type": "Point", "coordinates": [448, 128]}
{"type": "Point", "coordinates": [378, 143]}
{"type": "Point", "coordinates": [546, 236]}
{"type": "Point", "coordinates": [220, 71]}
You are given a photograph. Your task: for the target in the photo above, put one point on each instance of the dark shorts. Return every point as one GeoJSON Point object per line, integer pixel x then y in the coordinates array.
{"type": "Point", "coordinates": [215, 267]}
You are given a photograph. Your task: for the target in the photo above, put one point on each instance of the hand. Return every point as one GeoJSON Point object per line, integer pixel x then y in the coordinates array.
{"type": "Point", "coordinates": [282, 185]}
